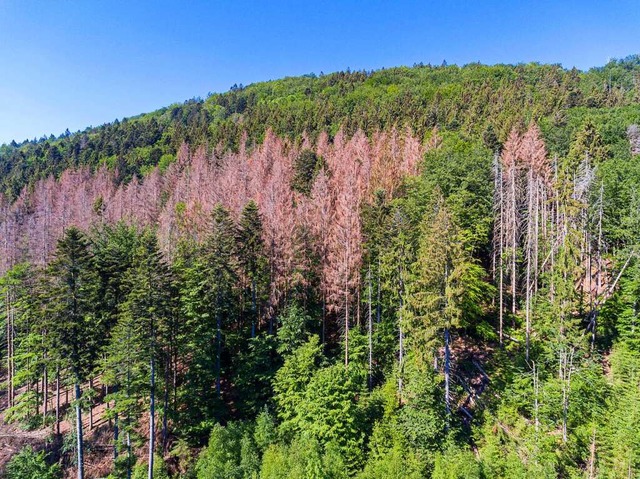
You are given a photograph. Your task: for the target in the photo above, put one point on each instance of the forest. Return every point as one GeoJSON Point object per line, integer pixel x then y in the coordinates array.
{"type": "Point", "coordinates": [415, 272]}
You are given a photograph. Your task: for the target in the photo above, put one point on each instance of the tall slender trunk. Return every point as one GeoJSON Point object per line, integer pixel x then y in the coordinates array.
{"type": "Point", "coordinates": [58, 399]}
{"type": "Point", "coordinates": [152, 414]}
{"type": "Point", "coordinates": [218, 343]}
{"type": "Point", "coordinates": [529, 259]}
{"type": "Point", "coordinates": [128, 449]}
{"type": "Point", "coordinates": [447, 374]}
{"type": "Point", "coordinates": [599, 264]}
{"type": "Point", "coordinates": [10, 375]}
{"type": "Point", "coordinates": [254, 308]}
{"type": "Point", "coordinates": [499, 240]}
{"type": "Point", "coordinates": [346, 327]}
{"type": "Point", "coordinates": [45, 396]}
{"type": "Point", "coordinates": [218, 351]}
{"type": "Point", "coordinates": [165, 408]}
{"type": "Point", "coordinates": [116, 433]}
{"type": "Point", "coordinates": [152, 398]}
{"type": "Point", "coordinates": [346, 300]}
{"type": "Point", "coordinates": [566, 369]}
{"type": "Point", "coordinates": [370, 327]}
{"type": "Point", "coordinates": [447, 352]}
{"type": "Point", "coordinates": [91, 405]}
{"type": "Point", "coordinates": [378, 303]}
{"type": "Point", "coordinates": [501, 299]}
{"type": "Point", "coordinates": [324, 317]}
{"type": "Point", "coordinates": [536, 390]}
{"type": "Point", "coordinates": [79, 438]}
{"type": "Point", "coordinates": [592, 455]}
{"type": "Point", "coordinates": [514, 239]}
{"type": "Point", "coordinates": [400, 335]}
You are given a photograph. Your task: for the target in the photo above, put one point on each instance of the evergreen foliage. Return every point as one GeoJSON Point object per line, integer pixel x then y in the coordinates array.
{"type": "Point", "coordinates": [305, 288]}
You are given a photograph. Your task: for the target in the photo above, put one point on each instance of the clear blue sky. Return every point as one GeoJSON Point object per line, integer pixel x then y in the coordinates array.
{"type": "Point", "coordinates": [71, 64]}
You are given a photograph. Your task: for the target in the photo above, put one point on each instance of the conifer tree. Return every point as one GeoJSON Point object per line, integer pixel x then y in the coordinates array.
{"type": "Point", "coordinates": [208, 303]}
{"type": "Point", "coordinates": [149, 305]}
{"type": "Point", "coordinates": [446, 289]}
{"type": "Point", "coordinates": [72, 287]}
{"type": "Point", "coordinates": [252, 259]}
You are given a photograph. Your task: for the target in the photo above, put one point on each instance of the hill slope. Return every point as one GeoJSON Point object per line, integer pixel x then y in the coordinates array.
{"type": "Point", "coordinates": [414, 272]}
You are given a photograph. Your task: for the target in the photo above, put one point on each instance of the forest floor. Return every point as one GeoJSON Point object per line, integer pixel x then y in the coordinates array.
{"type": "Point", "coordinates": [14, 436]}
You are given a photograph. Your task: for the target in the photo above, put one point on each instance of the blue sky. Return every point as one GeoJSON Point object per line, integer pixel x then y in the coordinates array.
{"type": "Point", "coordinates": [71, 64]}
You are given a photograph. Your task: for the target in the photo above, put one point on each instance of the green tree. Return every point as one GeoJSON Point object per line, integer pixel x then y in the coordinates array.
{"type": "Point", "coordinates": [291, 381]}
{"type": "Point", "coordinates": [28, 464]}
{"type": "Point", "coordinates": [446, 290]}
{"type": "Point", "coordinates": [306, 166]}
{"type": "Point", "coordinates": [208, 302]}
{"type": "Point", "coordinates": [587, 146]}
{"type": "Point", "coordinates": [252, 260]}
{"type": "Point", "coordinates": [149, 305]}
{"type": "Point", "coordinates": [71, 292]}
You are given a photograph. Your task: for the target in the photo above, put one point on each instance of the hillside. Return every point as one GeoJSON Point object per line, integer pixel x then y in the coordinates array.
{"type": "Point", "coordinates": [411, 272]}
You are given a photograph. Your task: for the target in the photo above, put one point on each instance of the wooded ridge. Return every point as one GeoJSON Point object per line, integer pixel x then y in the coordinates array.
{"type": "Point", "coordinates": [412, 272]}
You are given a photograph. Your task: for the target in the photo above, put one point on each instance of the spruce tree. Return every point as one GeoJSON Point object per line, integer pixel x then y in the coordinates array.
{"type": "Point", "coordinates": [72, 287]}
{"type": "Point", "coordinates": [252, 259]}
{"type": "Point", "coordinates": [208, 299]}
{"type": "Point", "coordinates": [146, 313]}
{"type": "Point", "coordinates": [446, 290]}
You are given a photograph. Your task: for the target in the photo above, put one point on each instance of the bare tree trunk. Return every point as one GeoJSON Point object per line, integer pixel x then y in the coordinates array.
{"type": "Point", "coordinates": [324, 317]}
{"type": "Point", "coordinates": [358, 307]}
{"type": "Point", "coordinates": [58, 399]}
{"type": "Point", "coordinates": [116, 431]}
{"type": "Point", "coordinates": [152, 414]}
{"type": "Point", "coordinates": [10, 375]}
{"type": "Point", "coordinates": [378, 304]}
{"type": "Point", "coordinates": [499, 239]}
{"type": "Point", "coordinates": [514, 238]}
{"type": "Point", "coordinates": [447, 374]}
{"type": "Point", "coordinates": [254, 308]}
{"type": "Point", "coordinates": [79, 438]}
{"type": "Point", "coordinates": [346, 301]}
{"type": "Point", "coordinates": [218, 346]}
{"type": "Point", "coordinates": [128, 452]}
{"type": "Point", "coordinates": [401, 334]}
{"type": "Point", "coordinates": [165, 409]}
{"type": "Point", "coordinates": [370, 328]}
{"type": "Point", "coordinates": [599, 263]}
{"type": "Point", "coordinates": [346, 326]}
{"type": "Point", "coordinates": [91, 405]}
{"type": "Point", "coordinates": [37, 406]}
{"type": "Point", "coordinates": [529, 259]}
{"type": "Point", "coordinates": [45, 396]}
{"type": "Point", "coordinates": [566, 371]}
{"type": "Point", "coordinates": [536, 392]}
{"type": "Point", "coordinates": [592, 456]}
